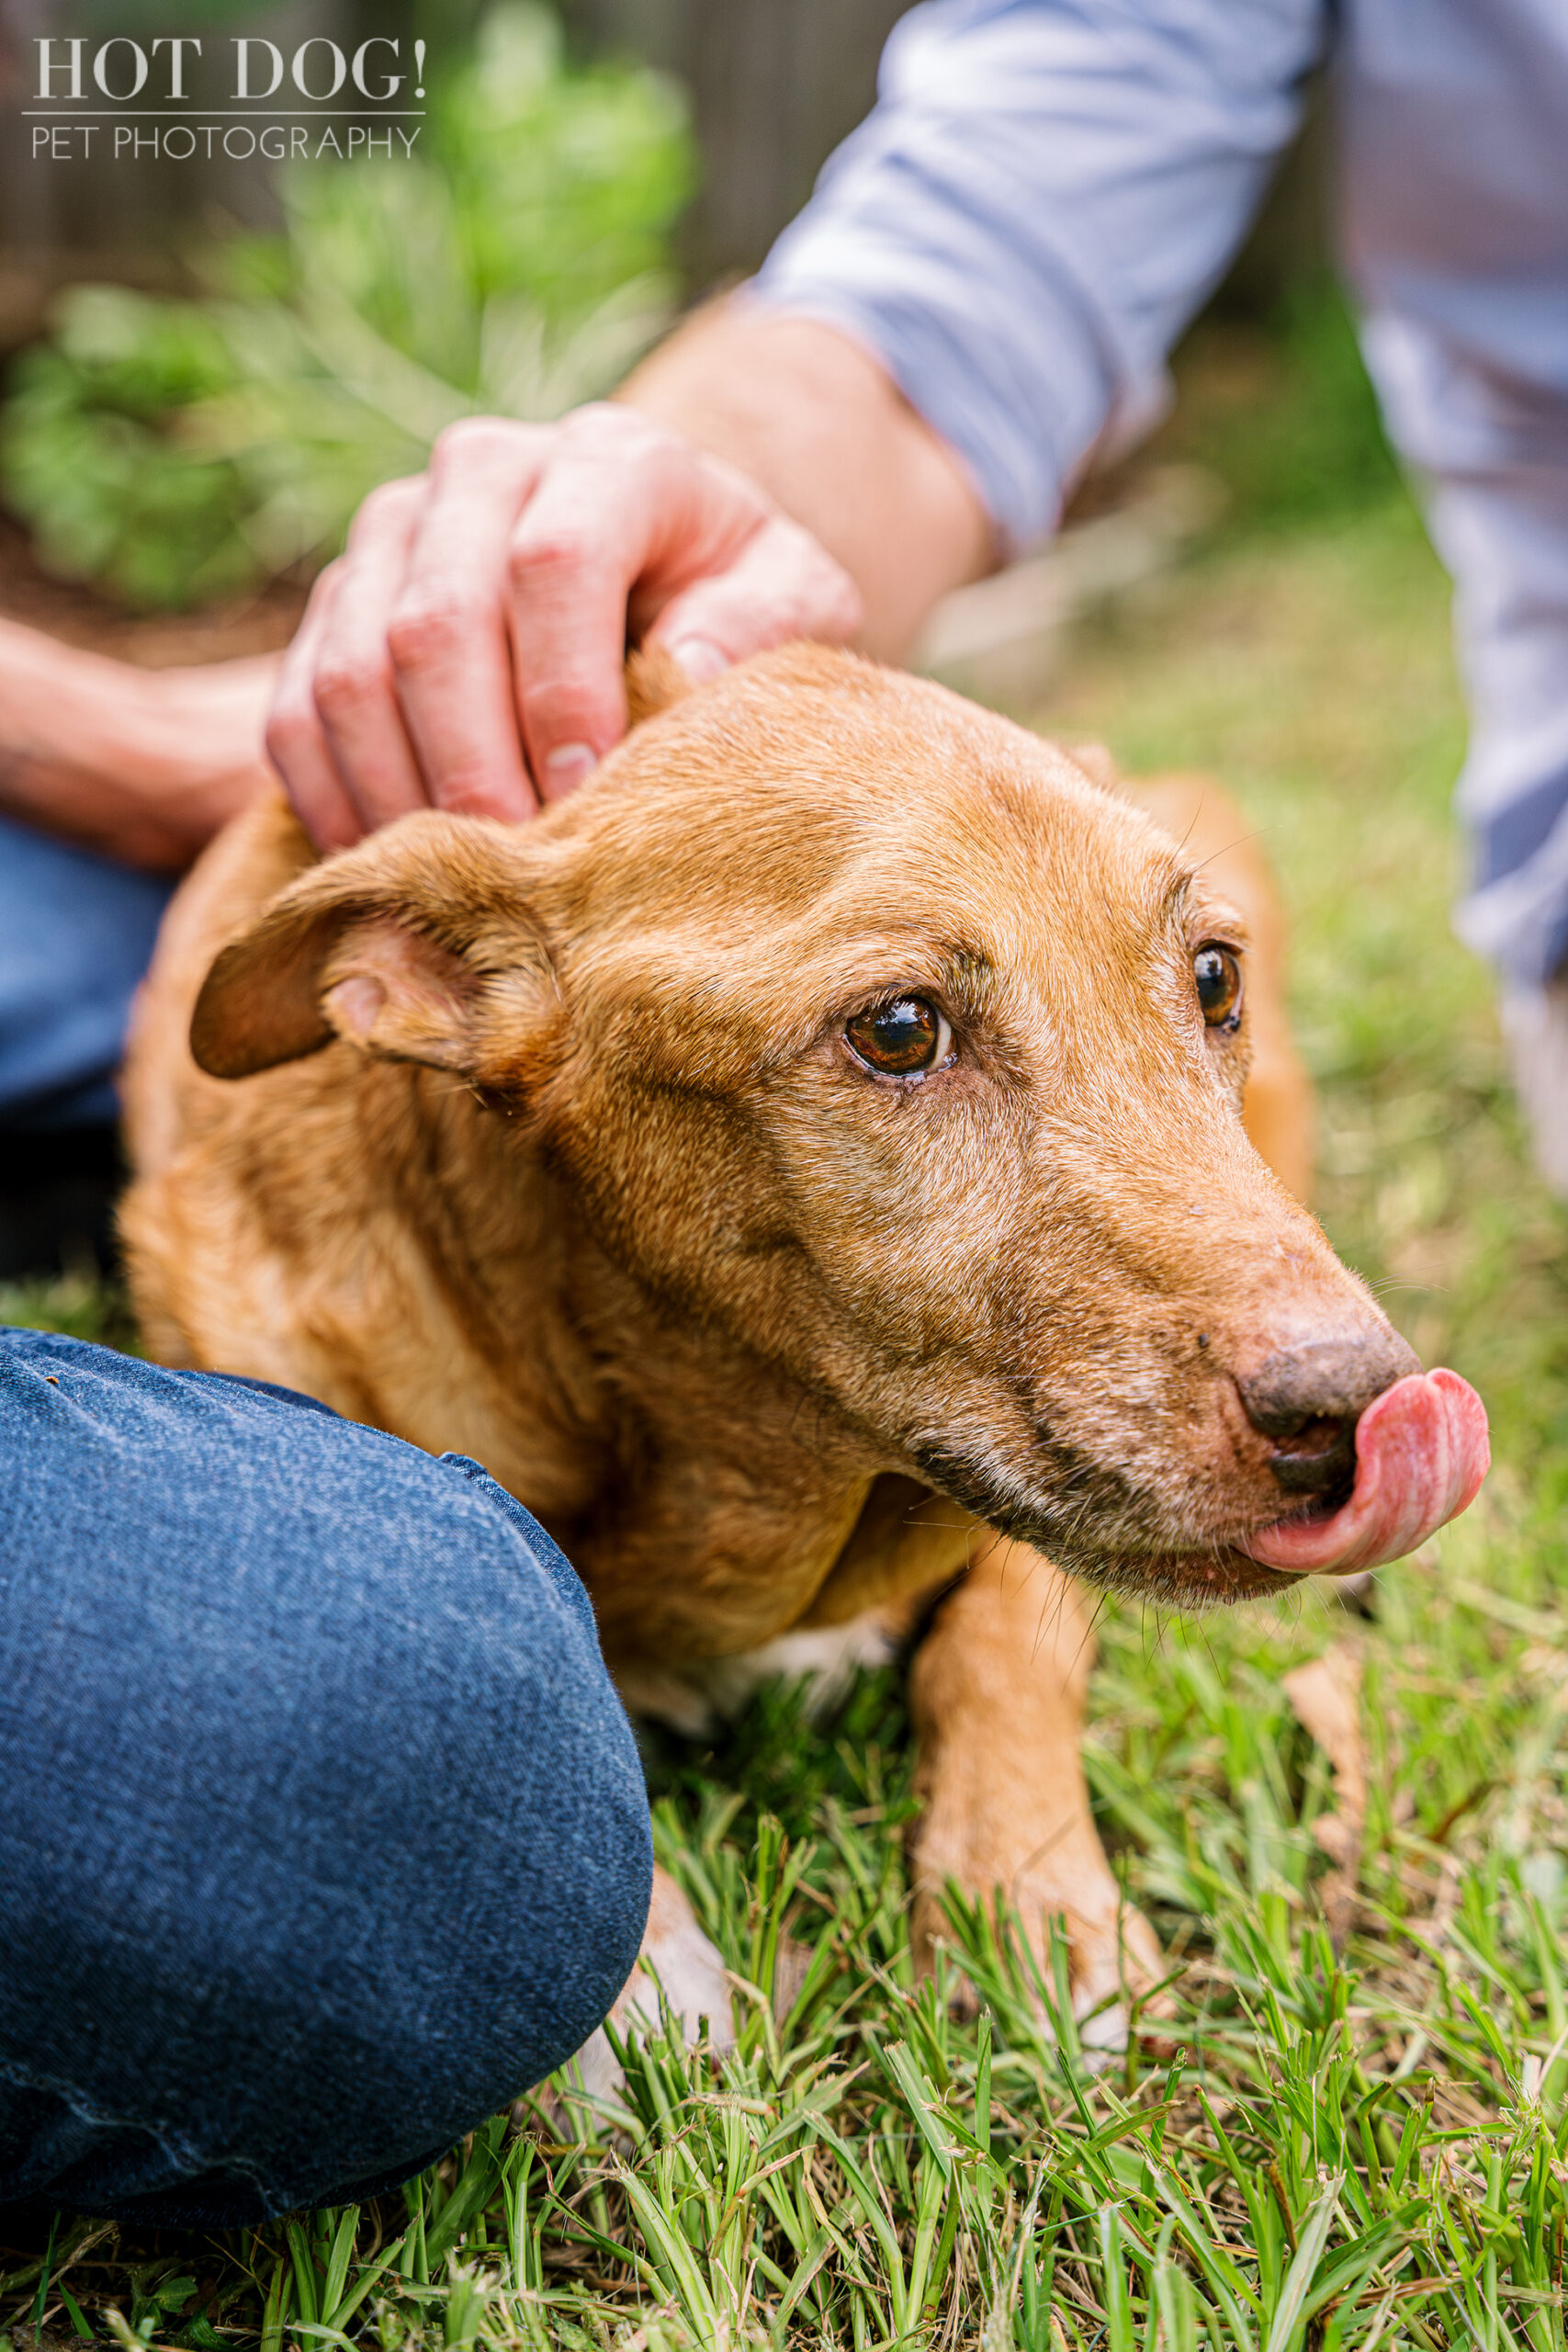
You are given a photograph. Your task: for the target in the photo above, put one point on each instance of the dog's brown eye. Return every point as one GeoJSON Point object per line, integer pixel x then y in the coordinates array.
{"type": "Point", "coordinates": [902, 1039]}
{"type": "Point", "coordinates": [1217, 971]}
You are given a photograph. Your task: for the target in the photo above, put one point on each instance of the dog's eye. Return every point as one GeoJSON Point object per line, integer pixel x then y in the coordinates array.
{"type": "Point", "coordinates": [1217, 971]}
{"type": "Point", "coordinates": [902, 1039]}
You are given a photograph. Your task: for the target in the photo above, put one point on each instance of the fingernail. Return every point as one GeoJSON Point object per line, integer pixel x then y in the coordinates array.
{"type": "Point", "coordinates": [700, 659]}
{"type": "Point", "coordinates": [566, 766]}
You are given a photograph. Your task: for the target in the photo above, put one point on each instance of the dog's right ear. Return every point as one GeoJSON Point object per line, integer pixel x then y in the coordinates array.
{"type": "Point", "coordinates": [654, 680]}
{"type": "Point", "coordinates": [418, 945]}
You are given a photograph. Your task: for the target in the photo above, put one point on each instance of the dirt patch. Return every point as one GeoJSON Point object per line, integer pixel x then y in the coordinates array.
{"type": "Point", "coordinates": [78, 616]}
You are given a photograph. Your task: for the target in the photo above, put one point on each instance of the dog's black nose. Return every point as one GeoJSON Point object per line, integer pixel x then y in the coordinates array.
{"type": "Point", "coordinates": [1309, 1399]}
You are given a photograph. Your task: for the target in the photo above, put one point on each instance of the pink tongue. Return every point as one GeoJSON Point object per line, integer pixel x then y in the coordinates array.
{"type": "Point", "coordinates": [1421, 1453]}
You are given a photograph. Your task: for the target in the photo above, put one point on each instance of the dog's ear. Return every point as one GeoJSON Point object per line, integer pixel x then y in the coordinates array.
{"type": "Point", "coordinates": [1098, 763]}
{"type": "Point", "coordinates": [418, 945]}
{"type": "Point", "coordinates": [654, 681]}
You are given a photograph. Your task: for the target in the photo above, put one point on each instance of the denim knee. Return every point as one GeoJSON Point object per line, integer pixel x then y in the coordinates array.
{"type": "Point", "coordinates": [77, 933]}
{"type": "Point", "coordinates": [331, 1834]}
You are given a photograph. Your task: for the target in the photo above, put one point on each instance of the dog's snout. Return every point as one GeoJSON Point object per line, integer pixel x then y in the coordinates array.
{"type": "Point", "coordinates": [1308, 1400]}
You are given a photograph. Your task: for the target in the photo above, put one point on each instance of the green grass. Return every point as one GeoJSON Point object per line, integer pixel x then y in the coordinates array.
{"type": "Point", "coordinates": [1331, 2148]}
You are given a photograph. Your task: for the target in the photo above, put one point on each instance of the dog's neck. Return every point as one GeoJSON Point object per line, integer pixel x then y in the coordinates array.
{"type": "Point", "coordinates": [617, 1426]}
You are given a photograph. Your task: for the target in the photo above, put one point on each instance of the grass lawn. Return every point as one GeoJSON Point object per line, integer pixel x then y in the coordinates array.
{"type": "Point", "coordinates": [1356, 2134]}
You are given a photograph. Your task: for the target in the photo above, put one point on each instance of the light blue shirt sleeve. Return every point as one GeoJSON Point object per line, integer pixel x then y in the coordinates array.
{"type": "Point", "coordinates": [1043, 196]}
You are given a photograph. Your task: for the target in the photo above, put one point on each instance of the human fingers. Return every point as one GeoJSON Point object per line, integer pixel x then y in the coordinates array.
{"type": "Point", "coordinates": [782, 584]}
{"type": "Point", "coordinates": [352, 684]}
{"type": "Point", "coordinates": [617, 494]}
{"type": "Point", "coordinates": [296, 740]}
{"type": "Point", "coordinates": [447, 636]}
{"type": "Point", "coordinates": [625, 516]}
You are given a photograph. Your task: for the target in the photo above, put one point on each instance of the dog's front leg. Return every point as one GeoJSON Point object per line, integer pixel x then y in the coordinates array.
{"type": "Point", "coordinates": [998, 1689]}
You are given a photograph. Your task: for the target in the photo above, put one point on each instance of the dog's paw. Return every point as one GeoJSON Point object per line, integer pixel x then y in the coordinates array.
{"type": "Point", "coordinates": [1113, 1954]}
{"type": "Point", "coordinates": [1112, 1963]}
{"type": "Point", "coordinates": [1114, 1959]}
{"type": "Point", "coordinates": [689, 1973]}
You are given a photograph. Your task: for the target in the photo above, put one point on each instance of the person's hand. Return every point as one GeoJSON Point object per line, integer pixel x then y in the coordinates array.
{"type": "Point", "coordinates": [467, 650]}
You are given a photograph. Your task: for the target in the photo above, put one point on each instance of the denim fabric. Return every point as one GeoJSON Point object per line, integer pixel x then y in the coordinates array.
{"type": "Point", "coordinates": [323, 1833]}
{"type": "Point", "coordinates": [77, 934]}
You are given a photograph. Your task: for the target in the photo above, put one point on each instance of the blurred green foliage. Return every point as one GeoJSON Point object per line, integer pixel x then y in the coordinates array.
{"type": "Point", "coordinates": [171, 451]}
{"type": "Point", "coordinates": [91, 456]}
{"type": "Point", "coordinates": [1287, 418]}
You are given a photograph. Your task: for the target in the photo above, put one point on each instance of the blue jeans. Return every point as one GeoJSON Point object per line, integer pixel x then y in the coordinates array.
{"type": "Point", "coordinates": [77, 934]}
{"type": "Point", "coordinates": [323, 1833]}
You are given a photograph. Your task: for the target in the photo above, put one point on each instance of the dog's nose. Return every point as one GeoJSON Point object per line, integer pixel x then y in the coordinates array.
{"type": "Point", "coordinates": [1309, 1398]}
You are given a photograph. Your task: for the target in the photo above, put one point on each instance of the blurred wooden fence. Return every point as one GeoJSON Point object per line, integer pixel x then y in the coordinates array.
{"type": "Point", "coordinates": [775, 84]}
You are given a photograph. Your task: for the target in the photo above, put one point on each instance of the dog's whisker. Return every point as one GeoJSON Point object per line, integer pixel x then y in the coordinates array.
{"type": "Point", "coordinates": [1242, 841]}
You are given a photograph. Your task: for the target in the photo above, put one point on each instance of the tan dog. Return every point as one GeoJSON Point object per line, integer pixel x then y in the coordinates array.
{"type": "Point", "coordinates": [805, 1165]}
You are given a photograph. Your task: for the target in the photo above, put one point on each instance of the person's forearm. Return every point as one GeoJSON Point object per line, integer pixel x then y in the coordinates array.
{"type": "Point", "coordinates": [822, 428]}
{"type": "Point", "coordinates": [140, 765]}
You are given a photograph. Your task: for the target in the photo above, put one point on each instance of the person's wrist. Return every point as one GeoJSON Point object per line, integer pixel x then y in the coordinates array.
{"type": "Point", "coordinates": [194, 755]}
{"type": "Point", "coordinates": [139, 765]}
{"type": "Point", "coordinates": [813, 418]}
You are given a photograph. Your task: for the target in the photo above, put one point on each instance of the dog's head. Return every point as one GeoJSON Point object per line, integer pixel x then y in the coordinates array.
{"type": "Point", "coordinates": [872, 1033]}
